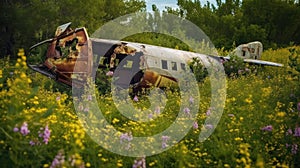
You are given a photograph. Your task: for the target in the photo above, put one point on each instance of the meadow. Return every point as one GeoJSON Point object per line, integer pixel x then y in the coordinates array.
{"type": "Point", "coordinates": [260, 125]}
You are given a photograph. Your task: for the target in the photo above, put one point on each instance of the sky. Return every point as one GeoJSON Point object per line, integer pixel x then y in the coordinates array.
{"type": "Point", "coordinates": [171, 3]}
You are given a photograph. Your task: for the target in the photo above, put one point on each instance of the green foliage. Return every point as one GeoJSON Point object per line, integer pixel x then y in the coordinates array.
{"type": "Point", "coordinates": [279, 19]}
{"type": "Point", "coordinates": [236, 67]}
{"type": "Point", "coordinates": [25, 23]}
{"type": "Point", "coordinates": [158, 40]}
{"type": "Point", "coordinates": [200, 72]}
{"type": "Point", "coordinates": [271, 22]}
{"type": "Point", "coordinates": [294, 62]}
{"type": "Point", "coordinates": [103, 81]}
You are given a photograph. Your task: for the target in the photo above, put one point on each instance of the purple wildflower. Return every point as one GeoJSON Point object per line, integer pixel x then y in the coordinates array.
{"type": "Point", "coordinates": [59, 160]}
{"type": "Point", "coordinates": [32, 143]}
{"type": "Point", "coordinates": [208, 112]}
{"type": "Point", "coordinates": [195, 125]}
{"type": "Point", "coordinates": [294, 149]}
{"type": "Point", "coordinates": [72, 160]}
{"type": "Point", "coordinates": [267, 128]}
{"type": "Point", "coordinates": [289, 132]}
{"type": "Point", "coordinates": [24, 129]}
{"type": "Point", "coordinates": [209, 126]}
{"type": "Point", "coordinates": [191, 100]}
{"type": "Point", "coordinates": [89, 97]}
{"type": "Point", "coordinates": [136, 98]}
{"type": "Point", "coordinates": [139, 163]}
{"type": "Point", "coordinates": [55, 163]}
{"type": "Point", "coordinates": [57, 98]}
{"type": "Point", "coordinates": [128, 146]}
{"type": "Point", "coordinates": [80, 107]}
{"type": "Point", "coordinates": [16, 129]}
{"type": "Point", "coordinates": [86, 109]}
{"type": "Point", "coordinates": [165, 138]}
{"type": "Point", "coordinates": [40, 133]}
{"type": "Point", "coordinates": [164, 141]}
{"type": "Point", "coordinates": [110, 73]}
{"type": "Point", "coordinates": [240, 71]}
{"type": "Point", "coordinates": [150, 116]}
{"type": "Point", "coordinates": [186, 110]}
{"type": "Point", "coordinates": [125, 137]}
{"type": "Point", "coordinates": [297, 132]}
{"type": "Point", "coordinates": [231, 115]}
{"type": "Point", "coordinates": [157, 110]}
{"type": "Point", "coordinates": [46, 134]}
{"type": "Point", "coordinates": [298, 106]}
{"type": "Point", "coordinates": [164, 145]}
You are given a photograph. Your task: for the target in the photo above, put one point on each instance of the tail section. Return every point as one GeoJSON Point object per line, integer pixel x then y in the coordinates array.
{"type": "Point", "coordinates": [251, 50]}
{"type": "Point", "coordinates": [251, 53]}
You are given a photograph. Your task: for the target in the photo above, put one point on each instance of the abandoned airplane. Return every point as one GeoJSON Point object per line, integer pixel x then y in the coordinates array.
{"type": "Point", "coordinates": [148, 65]}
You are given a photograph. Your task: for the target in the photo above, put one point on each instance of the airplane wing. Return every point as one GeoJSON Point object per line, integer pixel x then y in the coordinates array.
{"type": "Point", "coordinates": [256, 62]}
{"type": "Point", "coordinates": [261, 62]}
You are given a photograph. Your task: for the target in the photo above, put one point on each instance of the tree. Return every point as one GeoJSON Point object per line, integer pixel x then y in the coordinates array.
{"type": "Point", "coordinates": [24, 23]}
{"type": "Point", "coordinates": [279, 19]}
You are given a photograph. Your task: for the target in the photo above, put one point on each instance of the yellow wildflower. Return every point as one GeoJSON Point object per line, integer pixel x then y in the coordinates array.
{"type": "Point", "coordinates": [119, 164]}
{"type": "Point", "coordinates": [88, 164]}
{"type": "Point", "coordinates": [115, 120]}
{"type": "Point", "coordinates": [151, 164]}
{"type": "Point", "coordinates": [226, 165]}
{"type": "Point", "coordinates": [238, 139]}
{"type": "Point", "coordinates": [281, 114]}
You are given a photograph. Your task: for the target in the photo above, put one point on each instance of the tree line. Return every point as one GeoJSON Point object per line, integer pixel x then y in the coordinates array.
{"type": "Point", "coordinates": [276, 23]}
{"type": "Point", "coordinates": [26, 22]}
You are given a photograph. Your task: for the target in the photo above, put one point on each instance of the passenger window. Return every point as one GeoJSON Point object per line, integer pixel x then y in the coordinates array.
{"type": "Point", "coordinates": [182, 65]}
{"type": "Point", "coordinates": [164, 64]}
{"type": "Point", "coordinates": [174, 66]}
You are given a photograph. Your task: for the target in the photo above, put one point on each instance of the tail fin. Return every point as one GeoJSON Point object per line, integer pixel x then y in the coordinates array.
{"type": "Point", "coordinates": [252, 50]}
{"type": "Point", "coordinates": [251, 53]}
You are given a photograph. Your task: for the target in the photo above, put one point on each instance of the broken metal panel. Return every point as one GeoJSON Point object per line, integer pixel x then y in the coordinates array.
{"type": "Point", "coordinates": [70, 48]}
{"type": "Point", "coordinates": [62, 28]}
{"type": "Point", "coordinates": [152, 78]}
{"type": "Point", "coordinates": [125, 61]}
